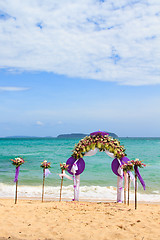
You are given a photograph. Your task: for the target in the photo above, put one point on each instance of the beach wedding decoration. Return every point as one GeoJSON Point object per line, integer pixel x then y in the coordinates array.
{"type": "Point", "coordinates": [137, 163]}
{"type": "Point", "coordinates": [17, 162]}
{"type": "Point", "coordinates": [45, 165]}
{"type": "Point", "coordinates": [63, 167]}
{"type": "Point", "coordinates": [89, 146]}
{"type": "Point", "coordinates": [127, 168]}
{"type": "Point", "coordinates": [75, 168]}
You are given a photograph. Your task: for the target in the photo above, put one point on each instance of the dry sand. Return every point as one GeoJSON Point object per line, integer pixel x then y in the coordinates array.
{"type": "Point", "coordinates": [31, 219]}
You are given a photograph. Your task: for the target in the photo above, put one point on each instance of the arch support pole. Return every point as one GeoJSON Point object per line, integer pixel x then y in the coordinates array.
{"type": "Point", "coordinates": [76, 180]}
{"type": "Point", "coordinates": [119, 189]}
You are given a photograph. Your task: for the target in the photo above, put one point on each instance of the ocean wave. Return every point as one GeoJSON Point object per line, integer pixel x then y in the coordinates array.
{"type": "Point", "coordinates": [26, 154]}
{"type": "Point", "coordinates": [86, 192]}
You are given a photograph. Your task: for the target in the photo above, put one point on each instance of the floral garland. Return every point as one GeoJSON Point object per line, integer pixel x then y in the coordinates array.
{"type": "Point", "coordinates": [45, 164]}
{"type": "Point", "coordinates": [102, 143]}
{"type": "Point", "coordinates": [64, 166]}
{"type": "Point", "coordinates": [17, 161]}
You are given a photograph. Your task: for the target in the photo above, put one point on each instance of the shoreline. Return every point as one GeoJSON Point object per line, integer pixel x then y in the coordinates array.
{"type": "Point", "coordinates": [87, 200]}
{"type": "Point", "coordinates": [68, 220]}
{"type": "Point", "coordinates": [87, 193]}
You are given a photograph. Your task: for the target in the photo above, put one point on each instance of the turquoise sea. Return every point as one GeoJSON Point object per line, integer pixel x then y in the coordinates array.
{"type": "Point", "coordinates": [97, 180]}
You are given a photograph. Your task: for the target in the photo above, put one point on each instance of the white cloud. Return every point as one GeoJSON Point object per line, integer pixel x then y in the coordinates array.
{"type": "Point", "coordinates": [13, 89]}
{"type": "Point", "coordinates": [39, 123]}
{"type": "Point", "coordinates": [102, 40]}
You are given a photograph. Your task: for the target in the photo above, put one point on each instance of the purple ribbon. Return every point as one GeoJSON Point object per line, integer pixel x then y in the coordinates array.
{"type": "Point", "coordinates": [16, 174]}
{"type": "Point", "coordinates": [139, 176]}
{"type": "Point", "coordinates": [47, 172]}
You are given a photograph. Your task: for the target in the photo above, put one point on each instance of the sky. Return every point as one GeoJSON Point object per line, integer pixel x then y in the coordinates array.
{"type": "Point", "coordinates": [77, 66]}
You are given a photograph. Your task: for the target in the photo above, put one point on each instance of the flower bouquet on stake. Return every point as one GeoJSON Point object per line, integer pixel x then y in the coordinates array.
{"type": "Point", "coordinates": [137, 163]}
{"type": "Point", "coordinates": [63, 167]}
{"type": "Point", "coordinates": [45, 165]}
{"type": "Point", "coordinates": [127, 168]}
{"type": "Point", "coordinates": [17, 162]}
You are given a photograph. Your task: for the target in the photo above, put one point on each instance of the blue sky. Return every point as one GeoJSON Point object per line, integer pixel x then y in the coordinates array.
{"type": "Point", "coordinates": [79, 66]}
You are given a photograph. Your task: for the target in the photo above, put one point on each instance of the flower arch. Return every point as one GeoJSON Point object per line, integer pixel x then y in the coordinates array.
{"type": "Point", "coordinates": [89, 146]}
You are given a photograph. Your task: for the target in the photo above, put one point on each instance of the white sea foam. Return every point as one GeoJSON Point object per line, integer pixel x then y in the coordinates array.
{"type": "Point", "coordinates": [26, 154]}
{"type": "Point", "coordinates": [96, 193]}
{"type": "Point", "coordinates": [156, 192]}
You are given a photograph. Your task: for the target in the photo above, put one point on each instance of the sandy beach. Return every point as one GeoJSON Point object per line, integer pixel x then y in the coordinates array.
{"type": "Point", "coordinates": [32, 219]}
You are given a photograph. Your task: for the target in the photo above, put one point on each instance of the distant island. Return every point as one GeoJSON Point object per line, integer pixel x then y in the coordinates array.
{"type": "Point", "coordinates": [63, 136]}
{"type": "Point", "coordinates": [72, 135]}
{"type": "Point", "coordinates": [81, 135]}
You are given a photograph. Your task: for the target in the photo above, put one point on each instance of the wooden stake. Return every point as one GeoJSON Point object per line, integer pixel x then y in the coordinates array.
{"type": "Point", "coordinates": [135, 190]}
{"type": "Point", "coordinates": [16, 192]}
{"type": "Point", "coordinates": [43, 184]}
{"type": "Point", "coordinates": [61, 187]}
{"type": "Point", "coordinates": [125, 186]}
{"type": "Point", "coordinates": [128, 187]}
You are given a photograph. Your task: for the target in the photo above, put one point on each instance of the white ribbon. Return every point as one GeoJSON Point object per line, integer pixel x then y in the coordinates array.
{"type": "Point", "coordinates": [74, 167]}
{"type": "Point", "coordinates": [109, 154]}
{"type": "Point", "coordinates": [120, 170]}
{"type": "Point", "coordinates": [132, 178]}
{"type": "Point", "coordinates": [64, 175]}
{"type": "Point", "coordinates": [76, 181]}
{"type": "Point", "coordinates": [119, 182]}
{"type": "Point", "coordinates": [119, 189]}
{"type": "Point", "coordinates": [76, 196]}
{"type": "Point", "coordinates": [47, 172]}
{"type": "Point", "coordinates": [91, 152]}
